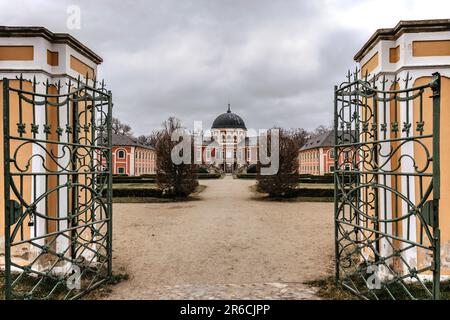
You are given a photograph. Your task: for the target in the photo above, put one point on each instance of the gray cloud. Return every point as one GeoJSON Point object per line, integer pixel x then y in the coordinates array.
{"type": "Point", "coordinates": [276, 61]}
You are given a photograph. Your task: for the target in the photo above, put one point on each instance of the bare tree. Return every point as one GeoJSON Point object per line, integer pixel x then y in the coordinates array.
{"type": "Point", "coordinates": [175, 180]}
{"type": "Point", "coordinates": [322, 129]}
{"type": "Point", "coordinates": [120, 128]}
{"type": "Point", "coordinates": [149, 139]}
{"type": "Point", "coordinates": [285, 181]}
{"type": "Point", "coordinates": [299, 135]}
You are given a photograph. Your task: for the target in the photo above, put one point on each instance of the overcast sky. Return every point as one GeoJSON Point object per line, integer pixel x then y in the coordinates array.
{"type": "Point", "coordinates": [275, 61]}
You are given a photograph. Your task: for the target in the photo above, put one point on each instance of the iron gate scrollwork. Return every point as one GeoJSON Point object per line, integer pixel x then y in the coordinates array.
{"type": "Point", "coordinates": [57, 189]}
{"type": "Point", "coordinates": [387, 187]}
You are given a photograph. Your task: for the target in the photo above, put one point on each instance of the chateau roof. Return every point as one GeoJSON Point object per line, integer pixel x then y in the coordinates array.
{"type": "Point", "coordinates": [326, 139]}
{"type": "Point", "coordinates": [319, 141]}
{"type": "Point", "coordinates": [228, 120]}
{"type": "Point", "coordinates": [124, 140]}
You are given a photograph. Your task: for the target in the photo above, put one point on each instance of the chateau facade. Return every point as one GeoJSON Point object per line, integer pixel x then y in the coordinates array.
{"type": "Point", "coordinates": [229, 146]}
{"type": "Point", "coordinates": [132, 158]}
{"type": "Point", "coordinates": [316, 156]}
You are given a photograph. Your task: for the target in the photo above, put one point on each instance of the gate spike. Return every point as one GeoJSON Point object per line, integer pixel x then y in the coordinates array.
{"type": "Point", "coordinates": [408, 78]}
{"type": "Point", "coordinates": [383, 81]}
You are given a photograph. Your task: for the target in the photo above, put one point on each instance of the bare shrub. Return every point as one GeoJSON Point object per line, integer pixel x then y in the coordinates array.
{"type": "Point", "coordinates": [284, 182]}
{"type": "Point", "coordinates": [174, 180]}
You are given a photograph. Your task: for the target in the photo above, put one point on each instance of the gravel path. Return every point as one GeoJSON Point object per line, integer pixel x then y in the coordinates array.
{"type": "Point", "coordinates": [226, 245]}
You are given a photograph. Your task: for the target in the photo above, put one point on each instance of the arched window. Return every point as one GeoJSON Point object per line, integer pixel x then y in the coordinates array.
{"type": "Point", "coordinates": [121, 154]}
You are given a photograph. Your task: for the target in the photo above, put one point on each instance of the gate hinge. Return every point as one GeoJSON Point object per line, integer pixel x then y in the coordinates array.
{"type": "Point", "coordinates": [15, 211]}
{"type": "Point", "coordinates": [429, 214]}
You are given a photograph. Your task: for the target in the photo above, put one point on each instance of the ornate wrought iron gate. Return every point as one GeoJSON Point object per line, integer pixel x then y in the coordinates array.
{"type": "Point", "coordinates": [57, 189]}
{"type": "Point", "coordinates": [387, 187]}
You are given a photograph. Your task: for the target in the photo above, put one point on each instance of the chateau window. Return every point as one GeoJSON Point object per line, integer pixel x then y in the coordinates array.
{"type": "Point", "coordinates": [121, 154]}
{"type": "Point", "coordinates": [121, 170]}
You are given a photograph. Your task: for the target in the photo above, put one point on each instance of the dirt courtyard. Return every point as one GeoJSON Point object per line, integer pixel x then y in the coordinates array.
{"type": "Point", "coordinates": [227, 245]}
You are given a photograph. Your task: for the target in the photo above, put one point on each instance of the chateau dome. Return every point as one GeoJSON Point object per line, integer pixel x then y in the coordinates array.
{"type": "Point", "coordinates": [228, 120]}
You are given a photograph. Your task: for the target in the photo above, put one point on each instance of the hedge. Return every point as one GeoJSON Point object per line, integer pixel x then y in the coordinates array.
{"type": "Point", "coordinates": [149, 175]}
{"type": "Point", "coordinates": [202, 170]}
{"type": "Point", "coordinates": [314, 193]}
{"type": "Point", "coordinates": [246, 175]}
{"type": "Point", "coordinates": [302, 178]}
{"type": "Point", "coordinates": [310, 193]}
{"type": "Point", "coordinates": [253, 168]}
{"type": "Point", "coordinates": [123, 193]}
{"type": "Point", "coordinates": [317, 179]}
{"type": "Point", "coordinates": [152, 178]}
{"type": "Point", "coordinates": [209, 175]}
{"type": "Point", "coordinates": [117, 180]}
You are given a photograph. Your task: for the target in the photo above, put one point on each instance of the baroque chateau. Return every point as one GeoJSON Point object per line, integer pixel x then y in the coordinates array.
{"type": "Point", "coordinates": [229, 146]}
